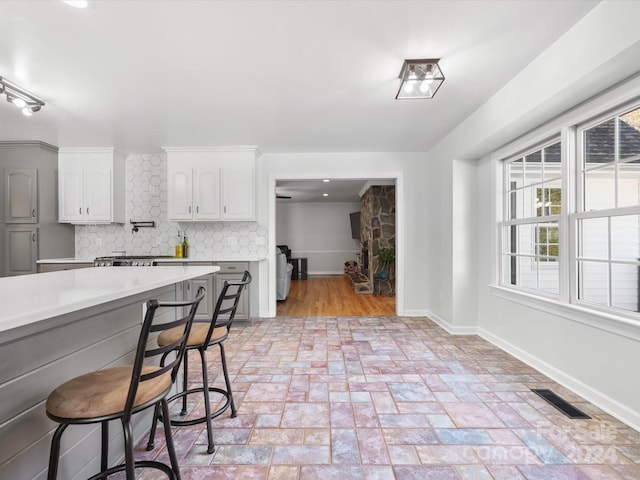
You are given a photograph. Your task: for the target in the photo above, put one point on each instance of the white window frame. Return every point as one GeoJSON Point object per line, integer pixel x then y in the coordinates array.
{"type": "Point", "coordinates": [533, 220]}
{"type": "Point", "coordinates": [579, 212]}
{"type": "Point", "coordinates": [614, 101]}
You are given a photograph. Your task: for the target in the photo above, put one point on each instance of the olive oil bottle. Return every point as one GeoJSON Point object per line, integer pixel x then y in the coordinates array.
{"type": "Point", "coordinates": [179, 248]}
{"type": "Point", "coordinates": [185, 246]}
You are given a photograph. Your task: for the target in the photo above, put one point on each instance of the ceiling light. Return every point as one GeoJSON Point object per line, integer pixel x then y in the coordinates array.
{"type": "Point", "coordinates": [325, 194]}
{"type": "Point", "coordinates": [326, 180]}
{"type": "Point", "coordinates": [18, 102]}
{"type": "Point", "coordinates": [28, 111]}
{"type": "Point", "coordinates": [77, 3]}
{"type": "Point", "coordinates": [28, 102]}
{"type": "Point", "coordinates": [425, 74]}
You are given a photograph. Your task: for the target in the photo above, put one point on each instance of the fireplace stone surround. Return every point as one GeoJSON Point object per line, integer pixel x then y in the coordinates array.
{"type": "Point", "coordinates": [377, 231]}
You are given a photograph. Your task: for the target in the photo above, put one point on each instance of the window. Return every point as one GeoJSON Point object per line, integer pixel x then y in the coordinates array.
{"type": "Point", "coordinates": [548, 202]}
{"type": "Point", "coordinates": [600, 262]}
{"type": "Point", "coordinates": [533, 205]}
{"type": "Point", "coordinates": [608, 217]}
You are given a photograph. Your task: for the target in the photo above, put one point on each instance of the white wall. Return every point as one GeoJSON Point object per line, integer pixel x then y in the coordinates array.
{"type": "Point", "coordinates": [410, 171]}
{"type": "Point", "coordinates": [597, 359]}
{"type": "Point", "coordinates": [319, 231]}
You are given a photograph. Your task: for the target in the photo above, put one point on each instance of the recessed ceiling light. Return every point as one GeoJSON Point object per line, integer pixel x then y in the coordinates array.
{"type": "Point", "coordinates": [326, 180]}
{"type": "Point", "coordinates": [325, 194]}
{"type": "Point", "coordinates": [77, 3]}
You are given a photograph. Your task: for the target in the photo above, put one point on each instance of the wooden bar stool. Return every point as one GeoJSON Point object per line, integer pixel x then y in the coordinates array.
{"type": "Point", "coordinates": [202, 336]}
{"type": "Point", "coordinates": [119, 392]}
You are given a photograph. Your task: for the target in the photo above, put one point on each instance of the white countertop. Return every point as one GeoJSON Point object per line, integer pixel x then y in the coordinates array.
{"type": "Point", "coordinates": [245, 258]}
{"type": "Point", "coordinates": [66, 260]}
{"type": "Point", "coordinates": [29, 299]}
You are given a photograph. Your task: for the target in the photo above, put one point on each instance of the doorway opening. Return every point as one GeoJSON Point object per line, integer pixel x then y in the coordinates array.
{"type": "Point", "coordinates": [318, 230]}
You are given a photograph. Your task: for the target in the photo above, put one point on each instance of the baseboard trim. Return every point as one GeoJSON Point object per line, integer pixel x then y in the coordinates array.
{"type": "Point", "coordinates": [413, 313]}
{"type": "Point", "coordinates": [606, 403]}
{"type": "Point", "coordinates": [452, 329]}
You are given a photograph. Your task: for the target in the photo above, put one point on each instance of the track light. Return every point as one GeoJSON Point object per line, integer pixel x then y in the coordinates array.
{"type": "Point", "coordinates": [77, 3]}
{"type": "Point", "coordinates": [28, 102]}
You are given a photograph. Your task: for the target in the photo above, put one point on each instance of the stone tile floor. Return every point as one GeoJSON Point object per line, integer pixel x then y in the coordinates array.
{"type": "Point", "coordinates": [380, 398]}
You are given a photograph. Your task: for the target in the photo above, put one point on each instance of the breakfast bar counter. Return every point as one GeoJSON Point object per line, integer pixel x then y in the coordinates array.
{"type": "Point", "coordinates": [55, 326]}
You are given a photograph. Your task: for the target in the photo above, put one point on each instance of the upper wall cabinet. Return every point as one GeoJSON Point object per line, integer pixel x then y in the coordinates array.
{"type": "Point", "coordinates": [211, 184]}
{"type": "Point", "coordinates": [21, 202]}
{"type": "Point", "coordinates": [91, 186]}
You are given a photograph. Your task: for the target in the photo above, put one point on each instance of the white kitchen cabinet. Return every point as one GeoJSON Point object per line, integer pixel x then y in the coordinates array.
{"type": "Point", "coordinates": [193, 194]}
{"type": "Point", "coordinates": [214, 184]}
{"type": "Point", "coordinates": [91, 186]}
{"type": "Point", "coordinates": [238, 194]}
{"type": "Point", "coordinates": [21, 196]}
{"type": "Point", "coordinates": [21, 249]}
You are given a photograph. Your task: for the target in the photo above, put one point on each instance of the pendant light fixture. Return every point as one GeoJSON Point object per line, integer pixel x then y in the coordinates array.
{"type": "Point", "coordinates": [420, 78]}
{"type": "Point", "coordinates": [18, 96]}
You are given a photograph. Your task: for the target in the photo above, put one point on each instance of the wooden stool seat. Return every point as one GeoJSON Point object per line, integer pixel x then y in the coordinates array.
{"type": "Point", "coordinates": [197, 336]}
{"type": "Point", "coordinates": [102, 393]}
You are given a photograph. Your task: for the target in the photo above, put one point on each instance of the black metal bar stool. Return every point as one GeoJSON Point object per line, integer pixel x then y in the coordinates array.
{"type": "Point", "coordinates": [120, 392]}
{"type": "Point", "coordinates": [202, 336]}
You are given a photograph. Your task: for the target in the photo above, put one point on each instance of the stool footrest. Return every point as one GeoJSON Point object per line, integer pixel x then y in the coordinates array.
{"type": "Point", "coordinates": [140, 464]}
{"type": "Point", "coordinates": [217, 413]}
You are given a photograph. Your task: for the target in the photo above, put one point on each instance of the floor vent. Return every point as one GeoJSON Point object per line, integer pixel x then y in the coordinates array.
{"type": "Point", "coordinates": [562, 405]}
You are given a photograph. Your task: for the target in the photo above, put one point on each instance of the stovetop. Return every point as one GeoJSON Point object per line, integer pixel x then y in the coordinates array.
{"type": "Point", "coordinates": [132, 257]}
{"type": "Point", "coordinates": [128, 260]}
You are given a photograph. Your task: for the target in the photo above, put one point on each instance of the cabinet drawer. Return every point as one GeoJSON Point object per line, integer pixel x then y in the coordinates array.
{"type": "Point", "coordinates": [233, 267]}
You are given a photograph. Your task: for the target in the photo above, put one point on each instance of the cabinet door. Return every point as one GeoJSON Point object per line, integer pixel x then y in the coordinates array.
{"type": "Point", "coordinates": [70, 194]}
{"type": "Point", "coordinates": [205, 309]}
{"type": "Point", "coordinates": [180, 194]}
{"type": "Point", "coordinates": [21, 250]}
{"type": "Point", "coordinates": [242, 313]}
{"type": "Point", "coordinates": [207, 194]}
{"type": "Point", "coordinates": [237, 194]}
{"type": "Point", "coordinates": [97, 195]}
{"type": "Point", "coordinates": [21, 202]}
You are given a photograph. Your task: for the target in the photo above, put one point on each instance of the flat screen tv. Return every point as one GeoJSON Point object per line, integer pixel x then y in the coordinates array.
{"type": "Point", "coordinates": [355, 225]}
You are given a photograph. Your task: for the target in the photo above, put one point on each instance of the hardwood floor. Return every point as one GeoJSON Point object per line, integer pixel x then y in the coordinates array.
{"type": "Point", "coordinates": [332, 295]}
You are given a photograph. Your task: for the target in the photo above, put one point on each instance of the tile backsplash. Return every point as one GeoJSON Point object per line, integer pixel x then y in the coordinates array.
{"type": "Point", "coordinates": [146, 200]}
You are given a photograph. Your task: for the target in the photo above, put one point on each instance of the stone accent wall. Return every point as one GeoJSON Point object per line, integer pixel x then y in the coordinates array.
{"type": "Point", "coordinates": [378, 230]}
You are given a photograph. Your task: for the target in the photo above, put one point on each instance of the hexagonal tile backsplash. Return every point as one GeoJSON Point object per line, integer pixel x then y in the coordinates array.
{"type": "Point", "coordinates": [146, 199]}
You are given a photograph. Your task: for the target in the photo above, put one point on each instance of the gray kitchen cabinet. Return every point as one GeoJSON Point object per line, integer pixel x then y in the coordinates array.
{"type": "Point", "coordinates": [205, 309]}
{"type": "Point", "coordinates": [187, 290]}
{"type": "Point", "coordinates": [234, 271]}
{"type": "Point", "coordinates": [21, 195]}
{"type": "Point", "coordinates": [213, 285]}
{"type": "Point", "coordinates": [30, 199]}
{"type": "Point", "coordinates": [21, 245]}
